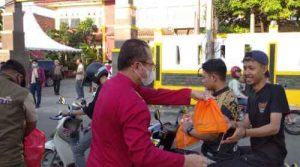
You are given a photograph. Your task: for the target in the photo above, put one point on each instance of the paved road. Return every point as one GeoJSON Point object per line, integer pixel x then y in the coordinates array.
{"type": "Point", "coordinates": [49, 107]}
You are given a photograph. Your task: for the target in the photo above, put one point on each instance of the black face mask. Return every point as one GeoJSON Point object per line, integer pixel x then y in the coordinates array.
{"type": "Point", "coordinates": [23, 83]}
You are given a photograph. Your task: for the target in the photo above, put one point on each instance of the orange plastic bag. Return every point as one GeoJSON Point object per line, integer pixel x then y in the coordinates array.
{"type": "Point", "coordinates": [183, 140]}
{"type": "Point", "coordinates": [208, 118]}
{"type": "Point", "coordinates": [34, 147]}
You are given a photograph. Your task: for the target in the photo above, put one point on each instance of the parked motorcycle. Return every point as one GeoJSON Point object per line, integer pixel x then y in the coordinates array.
{"type": "Point", "coordinates": [58, 152]}
{"type": "Point", "coordinates": [292, 122]}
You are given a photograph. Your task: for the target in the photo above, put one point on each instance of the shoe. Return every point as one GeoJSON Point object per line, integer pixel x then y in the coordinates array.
{"type": "Point", "coordinates": [294, 165]}
{"type": "Point", "coordinates": [37, 106]}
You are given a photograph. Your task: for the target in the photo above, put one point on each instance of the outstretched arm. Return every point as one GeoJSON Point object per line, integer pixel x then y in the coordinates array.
{"type": "Point", "coordinates": [171, 97]}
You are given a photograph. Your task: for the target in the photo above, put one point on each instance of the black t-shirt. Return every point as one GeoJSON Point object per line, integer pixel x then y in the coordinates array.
{"type": "Point", "coordinates": [270, 99]}
{"type": "Point", "coordinates": [89, 110]}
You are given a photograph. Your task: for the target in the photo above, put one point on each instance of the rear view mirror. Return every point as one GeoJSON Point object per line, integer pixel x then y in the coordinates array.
{"type": "Point", "coordinates": [157, 115]}
{"type": "Point", "coordinates": [61, 100]}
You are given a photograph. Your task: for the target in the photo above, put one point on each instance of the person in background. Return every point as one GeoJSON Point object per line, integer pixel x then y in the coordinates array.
{"type": "Point", "coordinates": [57, 76]}
{"type": "Point", "coordinates": [236, 86]}
{"type": "Point", "coordinates": [121, 116]}
{"type": "Point", "coordinates": [108, 65]}
{"type": "Point", "coordinates": [1, 64]}
{"type": "Point", "coordinates": [18, 116]}
{"type": "Point", "coordinates": [37, 81]}
{"type": "Point", "coordinates": [96, 73]}
{"type": "Point", "coordinates": [214, 80]}
{"type": "Point", "coordinates": [79, 79]}
{"type": "Point", "coordinates": [264, 121]}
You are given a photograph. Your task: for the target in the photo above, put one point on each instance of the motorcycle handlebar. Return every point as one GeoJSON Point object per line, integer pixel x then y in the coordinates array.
{"type": "Point", "coordinates": [56, 117]}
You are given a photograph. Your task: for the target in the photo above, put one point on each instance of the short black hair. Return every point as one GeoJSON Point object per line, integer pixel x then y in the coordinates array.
{"type": "Point", "coordinates": [14, 65]}
{"type": "Point", "coordinates": [216, 66]}
{"type": "Point", "coordinates": [132, 50]}
{"type": "Point", "coordinates": [34, 60]}
{"type": "Point", "coordinates": [267, 74]}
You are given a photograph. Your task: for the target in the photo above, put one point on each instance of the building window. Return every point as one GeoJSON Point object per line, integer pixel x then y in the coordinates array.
{"type": "Point", "coordinates": [177, 55]}
{"type": "Point", "coordinates": [74, 22]}
{"type": "Point", "coordinates": [64, 21]}
{"type": "Point", "coordinates": [100, 21]}
{"type": "Point", "coordinates": [223, 49]}
{"type": "Point", "coordinates": [199, 54]}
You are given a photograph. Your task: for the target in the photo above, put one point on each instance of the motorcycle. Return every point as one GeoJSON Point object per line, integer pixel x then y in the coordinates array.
{"type": "Point", "coordinates": [163, 134]}
{"type": "Point", "coordinates": [58, 152]}
{"type": "Point", "coordinates": [292, 122]}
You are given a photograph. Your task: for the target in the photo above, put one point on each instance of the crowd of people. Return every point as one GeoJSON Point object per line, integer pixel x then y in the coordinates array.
{"type": "Point", "coordinates": [120, 115]}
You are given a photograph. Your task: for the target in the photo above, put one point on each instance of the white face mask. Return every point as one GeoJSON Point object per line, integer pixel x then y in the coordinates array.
{"type": "Point", "coordinates": [34, 65]}
{"type": "Point", "coordinates": [149, 77]}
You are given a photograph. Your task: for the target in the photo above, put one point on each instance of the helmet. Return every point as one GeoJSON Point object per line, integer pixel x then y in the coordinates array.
{"type": "Point", "coordinates": [234, 70]}
{"type": "Point", "coordinates": [94, 72]}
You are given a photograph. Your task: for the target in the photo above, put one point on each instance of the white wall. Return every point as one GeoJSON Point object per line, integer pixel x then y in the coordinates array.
{"type": "Point", "coordinates": [166, 13]}
{"type": "Point", "coordinates": [288, 50]}
{"type": "Point", "coordinates": [188, 52]}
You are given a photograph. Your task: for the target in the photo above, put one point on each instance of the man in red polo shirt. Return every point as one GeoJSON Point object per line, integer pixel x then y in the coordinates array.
{"type": "Point", "coordinates": [121, 115]}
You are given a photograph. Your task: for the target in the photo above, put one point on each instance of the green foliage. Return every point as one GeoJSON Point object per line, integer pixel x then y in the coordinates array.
{"type": "Point", "coordinates": [81, 37]}
{"type": "Point", "coordinates": [238, 11]}
{"type": "Point", "coordinates": [233, 29]}
{"type": "Point", "coordinates": [90, 53]}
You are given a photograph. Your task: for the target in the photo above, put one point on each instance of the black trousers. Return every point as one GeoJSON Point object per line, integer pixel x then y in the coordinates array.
{"type": "Point", "coordinates": [247, 159]}
{"type": "Point", "coordinates": [56, 86]}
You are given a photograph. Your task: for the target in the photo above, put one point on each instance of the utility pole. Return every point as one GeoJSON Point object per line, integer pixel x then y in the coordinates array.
{"type": "Point", "coordinates": [197, 18]}
{"type": "Point", "coordinates": [13, 43]}
{"type": "Point", "coordinates": [124, 27]}
{"type": "Point", "coordinates": [209, 30]}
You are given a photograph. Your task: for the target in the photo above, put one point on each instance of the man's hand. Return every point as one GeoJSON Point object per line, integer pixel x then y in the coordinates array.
{"type": "Point", "coordinates": [186, 125]}
{"type": "Point", "coordinates": [198, 95]}
{"type": "Point", "coordinates": [65, 113]}
{"type": "Point", "coordinates": [239, 133]}
{"type": "Point", "coordinates": [194, 160]}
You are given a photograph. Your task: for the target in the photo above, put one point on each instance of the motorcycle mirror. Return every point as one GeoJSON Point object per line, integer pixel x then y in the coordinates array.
{"type": "Point", "coordinates": [61, 100]}
{"type": "Point", "coordinates": [157, 115]}
{"type": "Point", "coordinates": [83, 102]}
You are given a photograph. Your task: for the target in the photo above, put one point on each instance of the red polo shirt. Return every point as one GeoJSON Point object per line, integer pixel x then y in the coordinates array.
{"type": "Point", "coordinates": [120, 125]}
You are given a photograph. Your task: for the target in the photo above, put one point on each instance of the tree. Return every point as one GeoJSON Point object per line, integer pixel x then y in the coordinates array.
{"type": "Point", "coordinates": [82, 36]}
{"type": "Point", "coordinates": [1, 20]}
{"type": "Point", "coordinates": [229, 20]}
{"type": "Point", "coordinates": [85, 31]}
{"type": "Point", "coordinates": [264, 10]}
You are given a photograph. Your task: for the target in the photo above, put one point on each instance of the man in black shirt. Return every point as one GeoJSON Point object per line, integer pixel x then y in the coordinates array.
{"type": "Point", "coordinates": [263, 123]}
{"type": "Point", "coordinates": [214, 80]}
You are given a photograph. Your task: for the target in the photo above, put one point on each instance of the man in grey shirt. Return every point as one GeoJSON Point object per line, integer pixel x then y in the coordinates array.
{"type": "Point", "coordinates": [79, 79]}
{"type": "Point", "coordinates": [18, 116]}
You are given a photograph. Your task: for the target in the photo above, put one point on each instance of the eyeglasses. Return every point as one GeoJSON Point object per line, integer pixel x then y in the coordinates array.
{"type": "Point", "coordinates": [153, 65]}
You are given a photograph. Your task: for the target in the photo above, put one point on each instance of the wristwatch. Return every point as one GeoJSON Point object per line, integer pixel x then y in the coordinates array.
{"type": "Point", "coordinates": [189, 129]}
